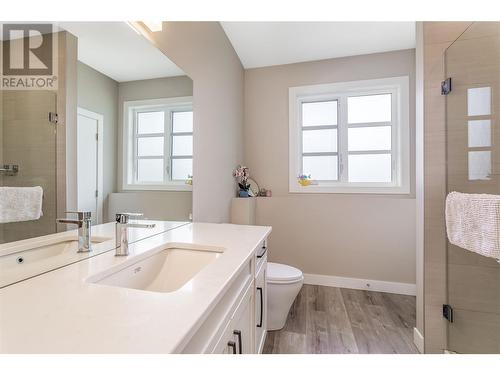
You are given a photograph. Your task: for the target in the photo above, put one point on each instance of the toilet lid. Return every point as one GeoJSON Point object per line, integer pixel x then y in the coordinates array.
{"type": "Point", "coordinates": [282, 272]}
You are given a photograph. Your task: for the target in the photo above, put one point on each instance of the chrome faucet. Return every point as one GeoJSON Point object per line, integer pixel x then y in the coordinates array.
{"type": "Point", "coordinates": [122, 225]}
{"type": "Point", "coordinates": [84, 223]}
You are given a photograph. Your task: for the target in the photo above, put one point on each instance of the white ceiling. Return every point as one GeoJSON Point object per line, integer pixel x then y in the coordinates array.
{"type": "Point", "coordinates": [274, 43]}
{"type": "Point", "coordinates": [116, 50]}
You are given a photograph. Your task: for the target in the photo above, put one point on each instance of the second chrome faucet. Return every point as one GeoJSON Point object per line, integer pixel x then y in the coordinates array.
{"type": "Point", "coordinates": [122, 225]}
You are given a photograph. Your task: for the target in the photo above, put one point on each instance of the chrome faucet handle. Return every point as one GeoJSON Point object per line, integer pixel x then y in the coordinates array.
{"type": "Point", "coordinates": [124, 217]}
{"type": "Point", "coordinates": [84, 223]}
{"type": "Point", "coordinates": [82, 215]}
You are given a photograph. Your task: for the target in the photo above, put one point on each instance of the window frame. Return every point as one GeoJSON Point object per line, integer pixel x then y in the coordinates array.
{"type": "Point", "coordinates": [400, 135]}
{"type": "Point", "coordinates": [131, 109]}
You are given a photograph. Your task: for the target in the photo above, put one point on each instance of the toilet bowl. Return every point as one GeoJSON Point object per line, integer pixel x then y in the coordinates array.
{"type": "Point", "coordinates": [283, 285]}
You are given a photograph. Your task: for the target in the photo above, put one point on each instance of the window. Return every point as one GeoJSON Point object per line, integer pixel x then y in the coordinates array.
{"type": "Point", "coordinates": [351, 137]}
{"type": "Point", "coordinates": [479, 133]}
{"type": "Point", "coordinates": [158, 144]}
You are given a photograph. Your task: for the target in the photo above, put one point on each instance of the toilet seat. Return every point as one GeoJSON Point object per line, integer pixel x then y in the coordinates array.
{"type": "Point", "coordinates": [283, 274]}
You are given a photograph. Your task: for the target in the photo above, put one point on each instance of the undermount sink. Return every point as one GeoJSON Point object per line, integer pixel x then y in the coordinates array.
{"type": "Point", "coordinates": [45, 252]}
{"type": "Point", "coordinates": [165, 271]}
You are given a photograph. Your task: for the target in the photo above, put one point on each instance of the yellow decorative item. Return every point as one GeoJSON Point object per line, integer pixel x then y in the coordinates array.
{"type": "Point", "coordinates": [304, 179]}
{"type": "Point", "coordinates": [305, 182]}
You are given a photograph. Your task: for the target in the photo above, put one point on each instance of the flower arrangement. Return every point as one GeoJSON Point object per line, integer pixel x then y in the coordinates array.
{"type": "Point", "coordinates": [304, 180]}
{"type": "Point", "coordinates": [189, 180]}
{"type": "Point", "coordinates": [241, 175]}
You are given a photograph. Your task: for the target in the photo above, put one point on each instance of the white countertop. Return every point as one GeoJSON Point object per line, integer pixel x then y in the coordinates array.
{"type": "Point", "coordinates": [59, 312]}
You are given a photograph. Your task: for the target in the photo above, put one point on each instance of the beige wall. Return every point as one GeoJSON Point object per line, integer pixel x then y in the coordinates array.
{"type": "Point", "coordinates": [437, 37]}
{"type": "Point", "coordinates": [326, 233]}
{"type": "Point", "coordinates": [99, 93]}
{"type": "Point", "coordinates": [203, 51]}
{"type": "Point", "coordinates": [155, 205]}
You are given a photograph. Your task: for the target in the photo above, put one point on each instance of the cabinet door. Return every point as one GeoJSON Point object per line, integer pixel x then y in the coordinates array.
{"type": "Point", "coordinates": [260, 307]}
{"type": "Point", "coordinates": [242, 330]}
{"type": "Point", "coordinates": [226, 344]}
{"type": "Point", "coordinates": [238, 334]}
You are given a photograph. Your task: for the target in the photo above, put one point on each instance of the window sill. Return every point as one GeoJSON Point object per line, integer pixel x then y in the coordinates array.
{"type": "Point", "coordinates": [166, 187]}
{"type": "Point", "coordinates": [329, 189]}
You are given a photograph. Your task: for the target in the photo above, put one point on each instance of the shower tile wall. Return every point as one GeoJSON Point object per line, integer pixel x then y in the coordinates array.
{"type": "Point", "coordinates": [28, 140]}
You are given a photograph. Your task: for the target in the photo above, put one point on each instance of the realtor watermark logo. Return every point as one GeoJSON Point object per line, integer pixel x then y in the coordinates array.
{"type": "Point", "coordinates": [29, 57]}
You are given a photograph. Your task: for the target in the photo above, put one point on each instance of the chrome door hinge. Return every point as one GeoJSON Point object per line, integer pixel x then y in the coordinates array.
{"type": "Point", "coordinates": [53, 118]}
{"type": "Point", "coordinates": [446, 86]}
{"type": "Point", "coordinates": [96, 193]}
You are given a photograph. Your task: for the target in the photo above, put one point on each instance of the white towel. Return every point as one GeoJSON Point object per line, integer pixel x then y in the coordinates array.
{"type": "Point", "coordinates": [20, 203]}
{"type": "Point", "coordinates": [473, 222]}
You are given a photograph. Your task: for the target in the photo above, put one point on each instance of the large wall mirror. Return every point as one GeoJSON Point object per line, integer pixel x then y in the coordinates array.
{"type": "Point", "coordinates": [112, 133]}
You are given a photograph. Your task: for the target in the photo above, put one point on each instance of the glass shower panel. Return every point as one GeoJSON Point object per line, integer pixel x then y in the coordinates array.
{"type": "Point", "coordinates": [473, 166]}
{"type": "Point", "coordinates": [28, 140]}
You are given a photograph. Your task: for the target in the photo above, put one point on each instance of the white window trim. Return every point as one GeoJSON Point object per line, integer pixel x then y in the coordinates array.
{"type": "Point", "coordinates": [128, 142]}
{"type": "Point", "coordinates": [400, 134]}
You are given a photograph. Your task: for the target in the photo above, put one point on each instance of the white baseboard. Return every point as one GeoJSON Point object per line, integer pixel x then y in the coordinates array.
{"type": "Point", "coordinates": [361, 284]}
{"type": "Point", "coordinates": [418, 340]}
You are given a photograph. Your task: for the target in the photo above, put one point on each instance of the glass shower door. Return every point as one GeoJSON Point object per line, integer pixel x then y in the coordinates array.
{"type": "Point", "coordinates": [473, 166]}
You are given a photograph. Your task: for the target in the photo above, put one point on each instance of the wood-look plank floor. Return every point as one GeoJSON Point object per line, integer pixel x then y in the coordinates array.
{"type": "Point", "coordinates": [334, 320]}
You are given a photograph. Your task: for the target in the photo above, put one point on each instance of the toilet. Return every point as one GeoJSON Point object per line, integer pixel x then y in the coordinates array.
{"type": "Point", "coordinates": [283, 285]}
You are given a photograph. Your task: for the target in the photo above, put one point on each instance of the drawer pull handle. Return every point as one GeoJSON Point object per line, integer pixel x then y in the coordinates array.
{"type": "Point", "coordinates": [238, 334]}
{"type": "Point", "coordinates": [232, 345]}
{"type": "Point", "coordinates": [261, 293]}
{"type": "Point", "coordinates": [263, 253]}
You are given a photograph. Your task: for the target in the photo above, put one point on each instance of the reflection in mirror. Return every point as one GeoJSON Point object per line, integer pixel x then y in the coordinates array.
{"type": "Point", "coordinates": [119, 138]}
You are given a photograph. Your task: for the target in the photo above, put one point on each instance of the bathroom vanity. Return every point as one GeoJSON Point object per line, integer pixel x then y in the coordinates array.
{"type": "Point", "coordinates": [197, 288]}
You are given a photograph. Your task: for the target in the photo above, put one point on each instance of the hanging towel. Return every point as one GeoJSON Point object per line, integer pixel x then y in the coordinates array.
{"type": "Point", "coordinates": [20, 203]}
{"type": "Point", "coordinates": [473, 222]}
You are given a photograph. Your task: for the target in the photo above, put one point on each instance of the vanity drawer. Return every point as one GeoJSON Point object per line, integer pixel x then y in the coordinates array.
{"type": "Point", "coordinates": [260, 254]}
